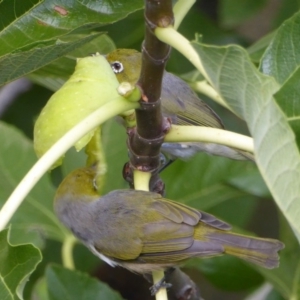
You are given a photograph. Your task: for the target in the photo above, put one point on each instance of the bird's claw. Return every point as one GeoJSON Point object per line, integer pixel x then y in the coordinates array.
{"type": "Point", "coordinates": [158, 285]}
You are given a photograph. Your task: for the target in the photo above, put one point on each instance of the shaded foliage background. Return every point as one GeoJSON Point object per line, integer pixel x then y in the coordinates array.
{"type": "Point", "coordinates": [233, 191]}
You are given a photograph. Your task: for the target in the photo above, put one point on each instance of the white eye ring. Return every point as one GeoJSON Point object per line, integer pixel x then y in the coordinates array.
{"type": "Point", "coordinates": [117, 67]}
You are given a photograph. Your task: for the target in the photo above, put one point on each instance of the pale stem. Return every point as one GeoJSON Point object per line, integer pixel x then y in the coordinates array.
{"type": "Point", "coordinates": [180, 10]}
{"type": "Point", "coordinates": [209, 135]}
{"type": "Point", "coordinates": [95, 152]}
{"type": "Point", "coordinates": [67, 251]}
{"type": "Point", "coordinates": [173, 38]}
{"type": "Point", "coordinates": [162, 292]}
{"type": "Point", "coordinates": [204, 88]}
{"type": "Point", "coordinates": [141, 182]}
{"type": "Point", "coordinates": [96, 118]}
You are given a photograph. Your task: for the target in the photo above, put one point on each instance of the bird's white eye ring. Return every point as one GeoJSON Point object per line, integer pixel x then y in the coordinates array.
{"type": "Point", "coordinates": [117, 67]}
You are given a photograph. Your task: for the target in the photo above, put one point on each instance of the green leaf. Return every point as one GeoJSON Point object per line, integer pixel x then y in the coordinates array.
{"type": "Point", "coordinates": [206, 181]}
{"type": "Point", "coordinates": [234, 12]}
{"type": "Point", "coordinates": [286, 278]}
{"type": "Point", "coordinates": [134, 31]}
{"type": "Point", "coordinates": [114, 140]}
{"type": "Point", "coordinates": [40, 290]}
{"type": "Point", "coordinates": [65, 284]}
{"type": "Point", "coordinates": [240, 277]}
{"type": "Point", "coordinates": [28, 23]}
{"type": "Point", "coordinates": [15, 65]}
{"type": "Point", "coordinates": [56, 73]}
{"type": "Point", "coordinates": [283, 62]}
{"type": "Point", "coordinates": [249, 93]}
{"type": "Point", "coordinates": [16, 265]}
{"type": "Point", "coordinates": [35, 33]}
{"type": "Point", "coordinates": [257, 50]}
{"type": "Point", "coordinates": [274, 295]}
{"type": "Point", "coordinates": [288, 99]}
{"type": "Point", "coordinates": [250, 182]}
{"type": "Point", "coordinates": [281, 58]}
{"type": "Point", "coordinates": [75, 100]}
{"type": "Point", "coordinates": [35, 218]}
{"type": "Point", "coordinates": [4, 292]}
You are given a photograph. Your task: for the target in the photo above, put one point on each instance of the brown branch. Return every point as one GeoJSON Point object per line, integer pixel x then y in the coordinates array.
{"type": "Point", "coordinates": [145, 141]}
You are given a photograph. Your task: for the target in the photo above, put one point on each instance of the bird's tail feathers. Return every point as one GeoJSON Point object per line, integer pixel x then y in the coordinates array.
{"type": "Point", "coordinates": [260, 251]}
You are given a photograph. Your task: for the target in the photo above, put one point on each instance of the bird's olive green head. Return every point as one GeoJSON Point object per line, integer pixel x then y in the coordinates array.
{"type": "Point", "coordinates": [79, 185]}
{"type": "Point", "coordinates": [126, 64]}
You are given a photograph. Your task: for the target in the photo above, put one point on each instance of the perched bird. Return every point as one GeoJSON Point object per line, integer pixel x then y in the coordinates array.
{"type": "Point", "coordinates": [179, 103]}
{"type": "Point", "coordinates": [142, 231]}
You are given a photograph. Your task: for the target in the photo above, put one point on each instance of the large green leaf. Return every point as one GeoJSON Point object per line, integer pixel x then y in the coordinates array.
{"type": "Point", "coordinates": [288, 99]}
{"type": "Point", "coordinates": [282, 57]}
{"type": "Point", "coordinates": [257, 50]}
{"type": "Point", "coordinates": [16, 265]}
{"type": "Point", "coordinates": [208, 181]}
{"type": "Point", "coordinates": [26, 23]}
{"type": "Point", "coordinates": [273, 295]}
{"type": "Point", "coordinates": [250, 94]}
{"type": "Point", "coordinates": [66, 284]}
{"type": "Point", "coordinates": [282, 61]}
{"type": "Point", "coordinates": [240, 277]}
{"type": "Point", "coordinates": [56, 73]}
{"type": "Point", "coordinates": [74, 101]}
{"type": "Point", "coordinates": [35, 218]}
{"type": "Point", "coordinates": [40, 291]}
{"type": "Point", "coordinates": [35, 33]}
{"type": "Point", "coordinates": [18, 64]}
{"type": "Point", "coordinates": [286, 278]}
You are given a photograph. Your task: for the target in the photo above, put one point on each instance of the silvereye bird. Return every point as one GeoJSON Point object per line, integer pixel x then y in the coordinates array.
{"type": "Point", "coordinates": [179, 103]}
{"type": "Point", "coordinates": [143, 231]}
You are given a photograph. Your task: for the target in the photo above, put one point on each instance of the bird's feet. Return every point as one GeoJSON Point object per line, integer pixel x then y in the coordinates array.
{"type": "Point", "coordinates": [158, 285]}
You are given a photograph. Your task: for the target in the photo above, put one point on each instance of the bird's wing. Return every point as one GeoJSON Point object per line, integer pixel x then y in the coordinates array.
{"type": "Point", "coordinates": [198, 248]}
{"type": "Point", "coordinates": [166, 236]}
{"type": "Point", "coordinates": [120, 247]}
{"type": "Point", "coordinates": [154, 225]}
{"type": "Point", "coordinates": [185, 108]}
{"type": "Point", "coordinates": [118, 235]}
{"type": "Point", "coordinates": [174, 230]}
{"type": "Point", "coordinates": [189, 215]}
{"type": "Point", "coordinates": [168, 228]}
{"type": "Point", "coordinates": [150, 226]}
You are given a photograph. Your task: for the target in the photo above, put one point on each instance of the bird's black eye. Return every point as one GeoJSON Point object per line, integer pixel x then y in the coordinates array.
{"type": "Point", "coordinates": [117, 67]}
